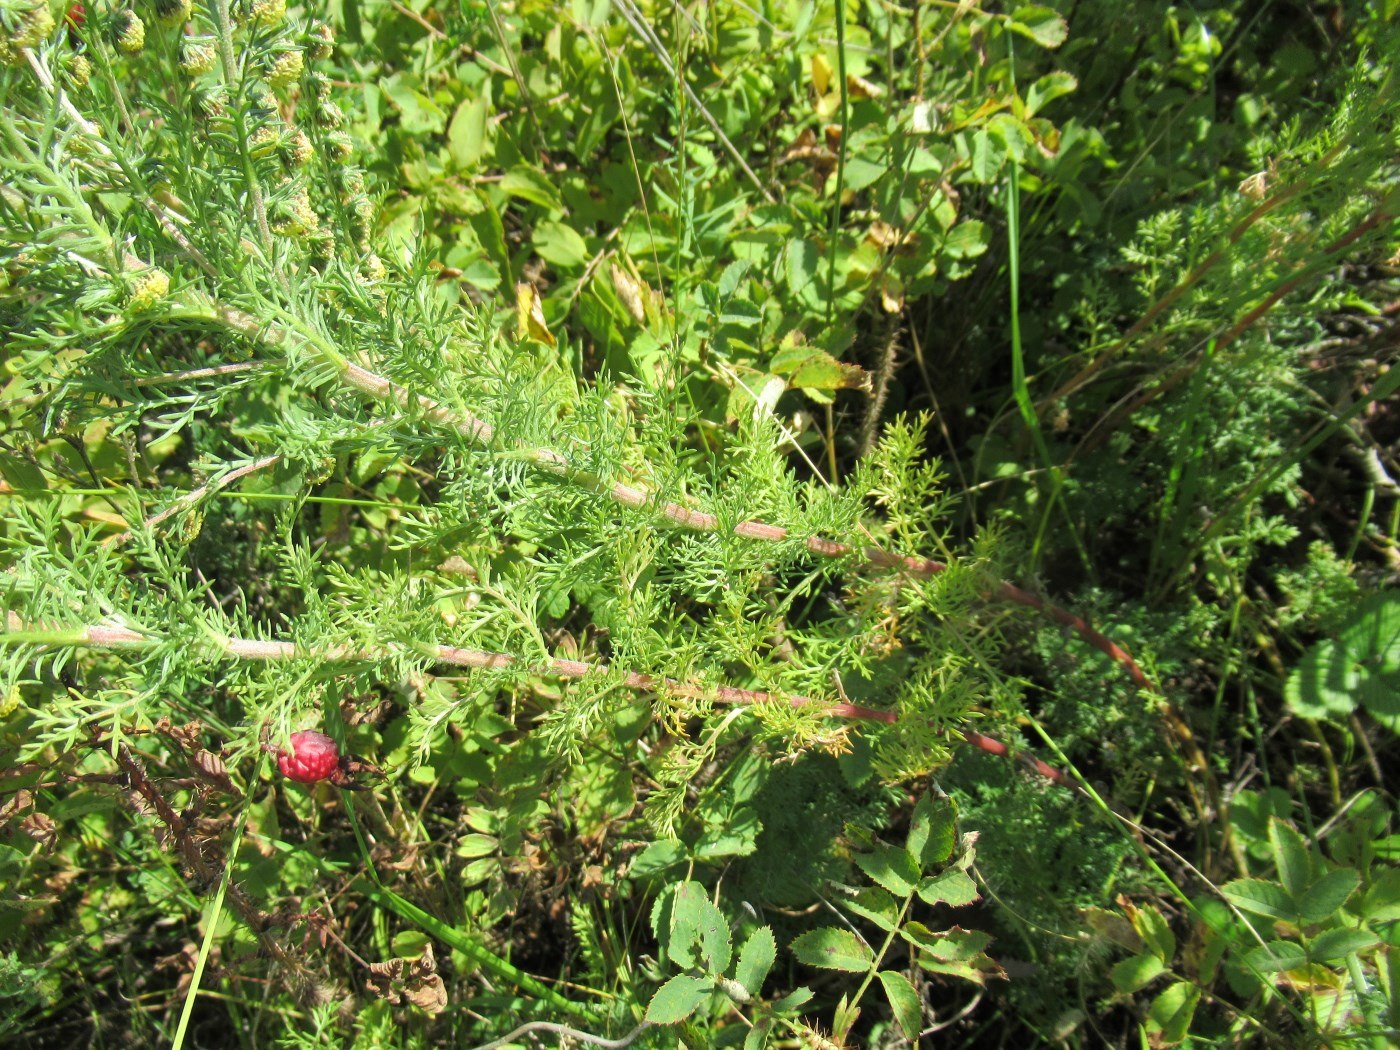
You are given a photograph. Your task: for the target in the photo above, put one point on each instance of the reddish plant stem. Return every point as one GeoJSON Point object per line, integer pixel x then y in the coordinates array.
{"type": "Point", "coordinates": [1181, 288]}
{"type": "Point", "coordinates": [1101, 430]}
{"type": "Point", "coordinates": [100, 636]}
{"type": "Point", "coordinates": [477, 430]}
{"type": "Point", "coordinates": [995, 747]}
{"type": "Point", "coordinates": [189, 499]}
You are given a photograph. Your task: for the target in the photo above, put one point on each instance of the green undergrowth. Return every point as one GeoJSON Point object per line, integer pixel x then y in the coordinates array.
{"type": "Point", "coordinates": [809, 524]}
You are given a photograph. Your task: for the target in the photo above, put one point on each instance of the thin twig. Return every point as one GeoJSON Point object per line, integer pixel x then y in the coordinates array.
{"type": "Point", "coordinates": [571, 1033]}
{"type": "Point", "coordinates": [880, 387]}
{"type": "Point", "coordinates": [103, 636]}
{"type": "Point", "coordinates": [640, 25]}
{"type": "Point", "coordinates": [192, 497]}
{"type": "Point", "coordinates": [478, 431]}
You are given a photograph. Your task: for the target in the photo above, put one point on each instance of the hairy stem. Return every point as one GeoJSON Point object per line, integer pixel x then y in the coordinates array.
{"type": "Point", "coordinates": [223, 35]}
{"type": "Point", "coordinates": [107, 637]}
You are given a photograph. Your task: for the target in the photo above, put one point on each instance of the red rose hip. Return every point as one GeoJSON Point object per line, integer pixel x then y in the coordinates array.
{"type": "Point", "coordinates": [314, 757]}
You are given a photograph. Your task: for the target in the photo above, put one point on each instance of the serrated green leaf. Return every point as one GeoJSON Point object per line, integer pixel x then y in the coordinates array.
{"type": "Point", "coordinates": [560, 245]}
{"type": "Point", "coordinates": [658, 856]}
{"type": "Point", "coordinates": [471, 846]}
{"type": "Point", "coordinates": [1291, 857]}
{"type": "Point", "coordinates": [418, 114]}
{"type": "Point", "coordinates": [1041, 24]}
{"type": "Point", "coordinates": [953, 887]}
{"type": "Point", "coordinates": [830, 948]}
{"type": "Point", "coordinates": [756, 959]}
{"type": "Point", "coordinates": [531, 184]}
{"type": "Point", "coordinates": [735, 837]}
{"type": "Point", "coordinates": [890, 867]}
{"type": "Point", "coordinates": [731, 276]}
{"type": "Point", "coordinates": [1361, 665]}
{"type": "Point", "coordinates": [1334, 945]}
{"type": "Point", "coordinates": [1260, 897]}
{"type": "Point", "coordinates": [904, 1003]}
{"type": "Point", "coordinates": [1276, 957]}
{"type": "Point", "coordinates": [1152, 927]}
{"type": "Point", "coordinates": [699, 931]}
{"type": "Point", "coordinates": [803, 259]}
{"type": "Point", "coordinates": [740, 312]}
{"type": "Point", "coordinates": [875, 904]}
{"type": "Point", "coordinates": [1134, 973]}
{"type": "Point", "coordinates": [1372, 632]}
{"type": "Point", "coordinates": [757, 1037]}
{"type": "Point", "coordinates": [1325, 897]}
{"type": "Point", "coordinates": [1325, 683]}
{"type": "Point", "coordinates": [1048, 88]}
{"type": "Point", "coordinates": [958, 953]}
{"type": "Point", "coordinates": [933, 831]}
{"type": "Point", "coordinates": [678, 998]}
{"type": "Point", "coordinates": [466, 135]}
{"type": "Point", "coordinates": [988, 156]}
{"type": "Point", "coordinates": [1171, 1012]}
{"type": "Point", "coordinates": [797, 997]}
{"type": "Point", "coordinates": [1381, 902]}
{"type": "Point", "coordinates": [808, 369]}
{"type": "Point", "coordinates": [959, 945]}
{"type": "Point", "coordinates": [966, 240]}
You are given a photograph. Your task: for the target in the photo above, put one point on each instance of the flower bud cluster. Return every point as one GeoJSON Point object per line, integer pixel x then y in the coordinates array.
{"type": "Point", "coordinates": [173, 12]}
{"type": "Point", "coordinates": [146, 287]}
{"type": "Point", "coordinates": [24, 24]}
{"type": "Point", "coordinates": [129, 32]}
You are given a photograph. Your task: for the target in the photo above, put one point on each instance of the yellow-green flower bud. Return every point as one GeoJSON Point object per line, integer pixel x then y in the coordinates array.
{"type": "Point", "coordinates": [328, 115]}
{"type": "Point", "coordinates": [191, 526]}
{"type": "Point", "coordinates": [320, 86]}
{"type": "Point", "coordinates": [268, 12]}
{"type": "Point", "coordinates": [27, 27]}
{"type": "Point", "coordinates": [321, 470]}
{"type": "Point", "coordinates": [12, 701]}
{"type": "Point", "coordinates": [197, 57]}
{"type": "Point", "coordinates": [208, 100]}
{"type": "Point", "coordinates": [79, 71]}
{"type": "Point", "coordinates": [264, 142]}
{"type": "Point", "coordinates": [320, 41]}
{"type": "Point", "coordinates": [361, 214]}
{"type": "Point", "coordinates": [299, 150]}
{"type": "Point", "coordinates": [293, 214]}
{"type": "Point", "coordinates": [286, 69]}
{"type": "Point", "coordinates": [148, 287]}
{"type": "Point", "coordinates": [322, 244]}
{"type": "Point", "coordinates": [131, 32]}
{"type": "Point", "coordinates": [339, 144]}
{"type": "Point", "coordinates": [173, 12]}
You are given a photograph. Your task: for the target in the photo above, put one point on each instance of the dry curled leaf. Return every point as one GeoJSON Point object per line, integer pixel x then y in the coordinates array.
{"type": "Point", "coordinates": [211, 769]}
{"type": "Point", "coordinates": [41, 828]}
{"type": "Point", "coordinates": [15, 804]}
{"type": "Point", "coordinates": [410, 980]}
{"type": "Point", "coordinates": [629, 290]}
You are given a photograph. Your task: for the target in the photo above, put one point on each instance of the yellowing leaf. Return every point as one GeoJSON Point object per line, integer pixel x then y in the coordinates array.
{"type": "Point", "coordinates": [821, 74]}
{"type": "Point", "coordinates": [891, 294]}
{"type": "Point", "coordinates": [529, 315]}
{"type": "Point", "coordinates": [629, 290]}
{"type": "Point", "coordinates": [809, 369]}
{"type": "Point", "coordinates": [859, 87]}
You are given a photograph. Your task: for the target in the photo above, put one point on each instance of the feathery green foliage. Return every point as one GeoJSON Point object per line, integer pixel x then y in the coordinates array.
{"type": "Point", "coordinates": [605, 420]}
